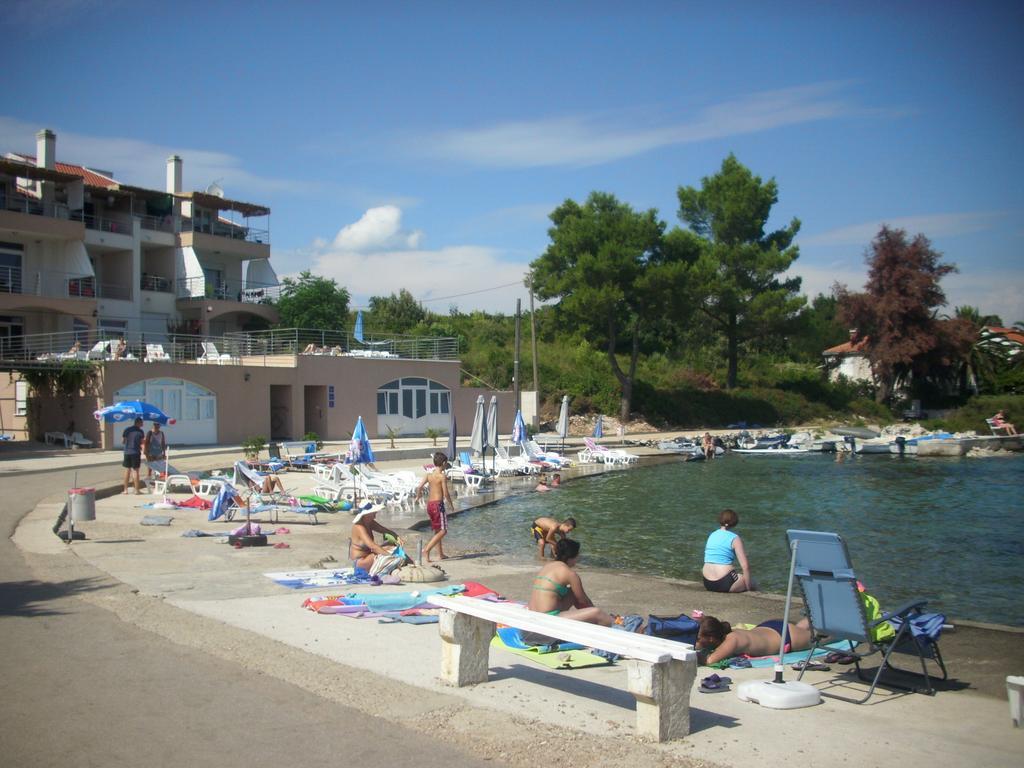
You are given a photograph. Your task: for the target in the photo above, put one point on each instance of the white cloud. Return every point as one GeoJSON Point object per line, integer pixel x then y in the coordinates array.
{"type": "Point", "coordinates": [593, 139]}
{"type": "Point", "coordinates": [378, 229]}
{"type": "Point", "coordinates": [375, 257]}
{"type": "Point", "coordinates": [933, 225]}
{"type": "Point", "coordinates": [143, 164]}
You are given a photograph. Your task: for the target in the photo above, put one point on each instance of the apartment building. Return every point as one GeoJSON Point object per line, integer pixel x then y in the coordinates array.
{"type": "Point", "coordinates": [81, 251]}
{"type": "Point", "coordinates": [185, 279]}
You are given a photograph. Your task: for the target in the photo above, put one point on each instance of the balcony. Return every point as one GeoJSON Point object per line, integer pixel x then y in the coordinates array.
{"type": "Point", "coordinates": [108, 224]}
{"type": "Point", "coordinates": [227, 229]}
{"type": "Point", "coordinates": [59, 285]}
{"type": "Point", "coordinates": [227, 290]}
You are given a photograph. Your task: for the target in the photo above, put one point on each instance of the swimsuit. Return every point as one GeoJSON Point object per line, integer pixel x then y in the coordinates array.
{"type": "Point", "coordinates": [718, 549]}
{"type": "Point", "coordinates": [438, 518]}
{"type": "Point", "coordinates": [537, 531]}
{"type": "Point", "coordinates": [775, 624]}
{"type": "Point", "coordinates": [559, 589]}
{"type": "Point", "coordinates": [723, 584]}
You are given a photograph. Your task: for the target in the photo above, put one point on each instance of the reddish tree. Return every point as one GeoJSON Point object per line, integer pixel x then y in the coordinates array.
{"type": "Point", "coordinates": [898, 312]}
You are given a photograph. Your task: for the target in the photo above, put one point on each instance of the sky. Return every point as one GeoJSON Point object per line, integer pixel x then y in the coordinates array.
{"type": "Point", "coordinates": [422, 145]}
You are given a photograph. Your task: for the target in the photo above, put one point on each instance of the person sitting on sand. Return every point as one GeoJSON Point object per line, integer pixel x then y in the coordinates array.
{"type": "Point", "coordinates": [999, 422]}
{"type": "Point", "coordinates": [722, 548]}
{"type": "Point", "coordinates": [558, 590]}
{"type": "Point", "coordinates": [363, 549]}
{"type": "Point", "coordinates": [437, 494]}
{"type": "Point", "coordinates": [546, 532]}
{"type": "Point", "coordinates": [717, 640]}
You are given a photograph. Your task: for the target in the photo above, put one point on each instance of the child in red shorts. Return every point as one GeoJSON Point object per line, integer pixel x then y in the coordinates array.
{"type": "Point", "coordinates": [437, 495]}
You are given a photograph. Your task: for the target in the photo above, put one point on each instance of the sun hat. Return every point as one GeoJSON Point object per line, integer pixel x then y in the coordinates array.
{"type": "Point", "coordinates": [367, 509]}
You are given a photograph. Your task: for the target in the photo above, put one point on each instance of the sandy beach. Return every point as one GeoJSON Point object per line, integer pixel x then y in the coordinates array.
{"type": "Point", "coordinates": [203, 594]}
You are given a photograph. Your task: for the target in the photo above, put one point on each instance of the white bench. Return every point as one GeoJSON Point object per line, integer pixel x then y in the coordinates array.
{"type": "Point", "coordinates": [659, 673]}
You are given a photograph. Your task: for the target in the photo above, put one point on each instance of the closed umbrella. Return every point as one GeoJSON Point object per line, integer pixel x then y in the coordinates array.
{"type": "Point", "coordinates": [518, 428]}
{"type": "Point", "coordinates": [599, 426]}
{"type": "Point", "coordinates": [478, 440]}
{"type": "Point", "coordinates": [359, 452]}
{"type": "Point", "coordinates": [453, 439]}
{"type": "Point", "coordinates": [357, 332]}
{"type": "Point", "coordinates": [492, 429]}
{"type": "Point", "coordinates": [563, 420]}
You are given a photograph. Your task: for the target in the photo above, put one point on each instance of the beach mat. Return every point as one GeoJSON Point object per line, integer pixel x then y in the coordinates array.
{"type": "Point", "coordinates": [794, 656]}
{"type": "Point", "coordinates": [576, 659]}
{"type": "Point", "coordinates": [307, 579]}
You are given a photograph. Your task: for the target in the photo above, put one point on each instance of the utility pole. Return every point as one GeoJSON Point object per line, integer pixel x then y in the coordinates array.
{"type": "Point", "coordinates": [533, 342]}
{"type": "Point", "coordinates": [515, 363]}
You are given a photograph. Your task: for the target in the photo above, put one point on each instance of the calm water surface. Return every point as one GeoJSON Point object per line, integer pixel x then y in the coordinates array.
{"type": "Point", "coordinates": [950, 530]}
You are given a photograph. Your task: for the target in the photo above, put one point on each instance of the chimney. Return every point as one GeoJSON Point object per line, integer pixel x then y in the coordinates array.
{"type": "Point", "coordinates": [174, 175]}
{"type": "Point", "coordinates": [46, 149]}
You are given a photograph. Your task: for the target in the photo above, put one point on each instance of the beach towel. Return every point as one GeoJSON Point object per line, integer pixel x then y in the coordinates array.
{"type": "Point", "coordinates": [223, 502]}
{"type": "Point", "coordinates": [156, 520]}
{"type": "Point", "coordinates": [561, 659]}
{"type": "Point", "coordinates": [317, 578]}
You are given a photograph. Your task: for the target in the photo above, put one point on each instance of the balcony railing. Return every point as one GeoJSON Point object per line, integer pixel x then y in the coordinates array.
{"type": "Point", "coordinates": [156, 223]}
{"type": "Point", "coordinates": [107, 224]}
{"type": "Point", "coordinates": [227, 290]}
{"type": "Point", "coordinates": [30, 205]}
{"type": "Point", "coordinates": [268, 348]}
{"type": "Point", "coordinates": [156, 283]}
{"type": "Point", "coordinates": [59, 285]}
{"type": "Point", "coordinates": [224, 229]}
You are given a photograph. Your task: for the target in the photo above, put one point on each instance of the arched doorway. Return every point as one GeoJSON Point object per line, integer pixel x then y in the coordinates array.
{"type": "Point", "coordinates": [193, 407]}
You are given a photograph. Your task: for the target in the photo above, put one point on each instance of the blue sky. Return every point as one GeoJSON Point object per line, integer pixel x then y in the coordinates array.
{"type": "Point", "coordinates": [422, 145]}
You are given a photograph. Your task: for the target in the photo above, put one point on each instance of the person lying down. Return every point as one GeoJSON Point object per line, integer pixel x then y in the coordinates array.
{"type": "Point", "coordinates": [717, 640]}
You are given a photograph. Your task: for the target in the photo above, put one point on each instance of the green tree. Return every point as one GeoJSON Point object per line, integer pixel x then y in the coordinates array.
{"type": "Point", "coordinates": [736, 278]}
{"type": "Point", "coordinates": [898, 309]}
{"type": "Point", "coordinates": [606, 268]}
{"type": "Point", "coordinates": [397, 313]}
{"type": "Point", "coordinates": [312, 302]}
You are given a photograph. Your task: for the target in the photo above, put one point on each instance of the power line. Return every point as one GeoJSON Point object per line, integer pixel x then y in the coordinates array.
{"type": "Point", "coordinates": [468, 293]}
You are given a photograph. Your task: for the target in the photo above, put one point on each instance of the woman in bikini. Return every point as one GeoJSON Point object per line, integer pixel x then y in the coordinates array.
{"type": "Point", "coordinates": [362, 549]}
{"type": "Point", "coordinates": [558, 590]}
{"type": "Point", "coordinates": [723, 547]}
{"type": "Point", "coordinates": [718, 640]}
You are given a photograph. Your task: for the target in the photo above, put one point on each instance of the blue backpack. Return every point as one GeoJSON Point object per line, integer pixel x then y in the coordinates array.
{"type": "Point", "coordinates": [680, 628]}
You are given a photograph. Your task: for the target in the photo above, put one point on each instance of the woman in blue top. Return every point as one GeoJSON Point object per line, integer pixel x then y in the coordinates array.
{"type": "Point", "coordinates": [722, 549]}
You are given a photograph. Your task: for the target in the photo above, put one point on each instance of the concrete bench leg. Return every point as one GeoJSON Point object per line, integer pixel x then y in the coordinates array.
{"type": "Point", "coordinates": [662, 693]}
{"type": "Point", "coordinates": [465, 648]}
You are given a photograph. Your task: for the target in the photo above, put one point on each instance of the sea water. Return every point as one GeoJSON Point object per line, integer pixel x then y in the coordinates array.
{"type": "Point", "coordinates": [949, 530]}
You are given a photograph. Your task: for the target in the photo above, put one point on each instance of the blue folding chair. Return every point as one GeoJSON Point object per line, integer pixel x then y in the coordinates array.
{"type": "Point", "coordinates": [836, 612]}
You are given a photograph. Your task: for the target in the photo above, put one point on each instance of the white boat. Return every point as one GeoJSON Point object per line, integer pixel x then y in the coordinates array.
{"type": "Point", "coordinates": [775, 450]}
{"type": "Point", "coordinates": [874, 445]}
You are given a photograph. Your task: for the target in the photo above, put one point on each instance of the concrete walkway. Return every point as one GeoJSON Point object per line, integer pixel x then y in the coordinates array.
{"type": "Point", "coordinates": [207, 597]}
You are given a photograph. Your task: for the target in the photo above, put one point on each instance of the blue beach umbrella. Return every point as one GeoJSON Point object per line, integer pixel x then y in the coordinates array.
{"type": "Point", "coordinates": [478, 439]}
{"type": "Point", "coordinates": [357, 332]}
{"type": "Point", "coordinates": [599, 426]}
{"type": "Point", "coordinates": [518, 428]}
{"type": "Point", "coordinates": [129, 410]}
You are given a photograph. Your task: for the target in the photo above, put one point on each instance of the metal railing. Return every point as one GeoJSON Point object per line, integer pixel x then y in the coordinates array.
{"type": "Point", "coordinates": [10, 279]}
{"type": "Point", "coordinates": [30, 205]}
{"type": "Point", "coordinates": [156, 223]}
{"type": "Point", "coordinates": [156, 283]}
{"type": "Point", "coordinates": [225, 229]}
{"type": "Point", "coordinates": [117, 226]}
{"type": "Point", "coordinates": [266, 348]}
{"type": "Point", "coordinates": [226, 290]}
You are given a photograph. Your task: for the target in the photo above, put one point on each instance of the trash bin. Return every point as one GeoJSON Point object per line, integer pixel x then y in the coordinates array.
{"type": "Point", "coordinates": [83, 504]}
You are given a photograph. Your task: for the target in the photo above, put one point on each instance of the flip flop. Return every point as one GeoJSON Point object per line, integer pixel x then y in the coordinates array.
{"type": "Point", "coordinates": [814, 666]}
{"type": "Point", "coordinates": [740, 663]}
{"type": "Point", "coordinates": [840, 658]}
{"type": "Point", "coordinates": [713, 683]}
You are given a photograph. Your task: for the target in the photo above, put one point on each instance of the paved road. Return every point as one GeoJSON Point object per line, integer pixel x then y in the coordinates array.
{"type": "Point", "coordinates": [82, 688]}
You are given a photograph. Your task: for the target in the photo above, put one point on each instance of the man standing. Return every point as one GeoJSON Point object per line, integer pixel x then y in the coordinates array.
{"type": "Point", "coordinates": [155, 448]}
{"type": "Point", "coordinates": [132, 439]}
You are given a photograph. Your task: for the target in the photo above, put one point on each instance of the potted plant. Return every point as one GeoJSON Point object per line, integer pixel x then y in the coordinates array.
{"type": "Point", "coordinates": [252, 446]}
{"type": "Point", "coordinates": [433, 433]}
{"type": "Point", "coordinates": [393, 432]}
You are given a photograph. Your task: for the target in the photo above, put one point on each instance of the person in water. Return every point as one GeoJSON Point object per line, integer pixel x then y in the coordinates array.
{"type": "Point", "coordinates": [546, 532]}
{"type": "Point", "coordinates": [363, 549]}
{"type": "Point", "coordinates": [558, 589]}
{"type": "Point", "coordinates": [723, 547]}
{"type": "Point", "coordinates": [717, 640]}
